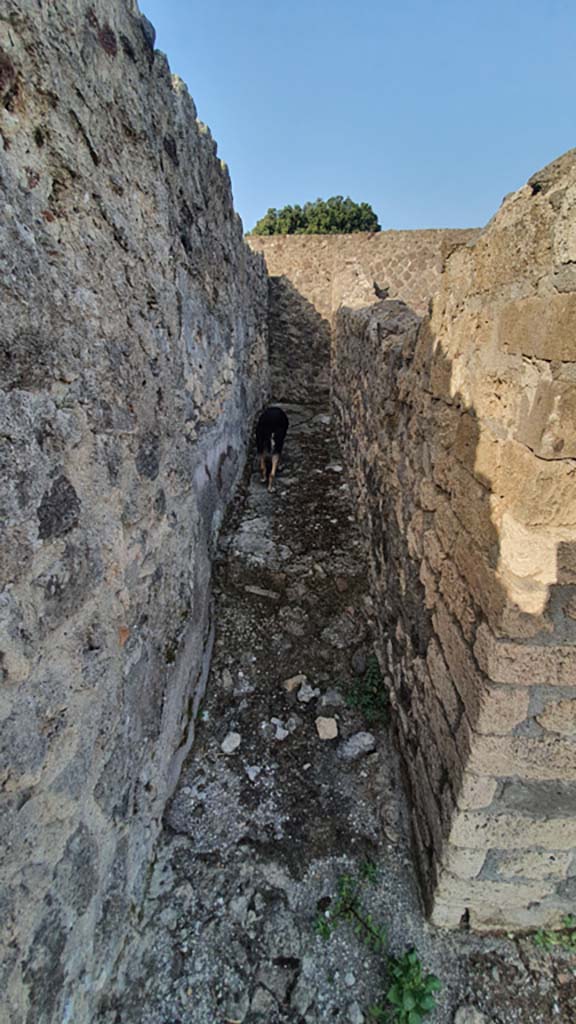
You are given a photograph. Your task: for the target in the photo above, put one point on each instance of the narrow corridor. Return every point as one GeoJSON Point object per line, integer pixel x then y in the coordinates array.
{"type": "Point", "coordinates": [289, 787]}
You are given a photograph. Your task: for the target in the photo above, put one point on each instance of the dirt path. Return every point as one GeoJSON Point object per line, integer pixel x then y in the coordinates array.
{"type": "Point", "coordinates": [268, 816]}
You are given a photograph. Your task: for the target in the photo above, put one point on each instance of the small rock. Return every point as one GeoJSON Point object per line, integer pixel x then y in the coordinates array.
{"type": "Point", "coordinates": [359, 744]}
{"type": "Point", "coordinates": [281, 731]}
{"type": "Point", "coordinates": [354, 1014]}
{"type": "Point", "coordinates": [294, 682]}
{"type": "Point", "coordinates": [302, 997]}
{"type": "Point", "coordinates": [267, 730]}
{"type": "Point", "coordinates": [227, 680]}
{"type": "Point", "coordinates": [342, 584]}
{"type": "Point", "coordinates": [253, 771]}
{"type": "Point", "coordinates": [306, 693]}
{"type": "Point", "coordinates": [293, 722]}
{"type": "Point", "coordinates": [327, 728]}
{"type": "Point", "coordinates": [262, 1001]}
{"type": "Point", "coordinates": [231, 743]}
{"type": "Point", "coordinates": [359, 662]}
{"type": "Point", "coordinates": [350, 979]}
{"type": "Point", "coordinates": [332, 699]}
{"type": "Point", "coordinates": [335, 467]}
{"type": "Point", "coordinates": [470, 1015]}
{"type": "Point", "coordinates": [259, 592]}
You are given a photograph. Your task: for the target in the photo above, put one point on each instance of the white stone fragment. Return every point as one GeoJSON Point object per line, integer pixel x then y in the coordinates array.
{"type": "Point", "coordinates": [470, 1015]}
{"type": "Point", "coordinates": [294, 682]}
{"type": "Point", "coordinates": [231, 743]}
{"type": "Point", "coordinates": [327, 728]}
{"type": "Point", "coordinates": [281, 731]}
{"type": "Point", "coordinates": [306, 693]}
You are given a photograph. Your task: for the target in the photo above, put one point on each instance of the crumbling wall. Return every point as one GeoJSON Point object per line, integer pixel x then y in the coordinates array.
{"type": "Point", "coordinates": [132, 361]}
{"type": "Point", "coordinates": [461, 437]}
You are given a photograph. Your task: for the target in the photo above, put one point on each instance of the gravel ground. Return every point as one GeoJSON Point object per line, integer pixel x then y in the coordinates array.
{"type": "Point", "coordinates": [268, 816]}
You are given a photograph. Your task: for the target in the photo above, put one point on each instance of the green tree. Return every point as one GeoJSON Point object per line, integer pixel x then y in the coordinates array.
{"type": "Point", "coordinates": [334, 216]}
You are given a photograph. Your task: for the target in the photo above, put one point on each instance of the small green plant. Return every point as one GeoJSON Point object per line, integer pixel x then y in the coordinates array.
{"type": "Point", "coordinates": [347, 906]}
{"type": "Point", "coordinates": [369, 872]}
{"type": "Point", "coordinates": [410, 995]}
{"type": "Point", "coordinates": [368, 694]}
{"type": "Point", "coordinates": [564, 939]}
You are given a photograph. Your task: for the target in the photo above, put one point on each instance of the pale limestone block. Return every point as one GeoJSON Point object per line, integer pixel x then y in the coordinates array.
{"type": "Point", "coordinates": [486, 917]}
{"type": "Point", "coordinates": [476, 893]}
{"type": "Point", "coordinates": [547, 419]}
{"type": "Point", "coordinates": [539, 865]}
{"type": "Point", "coordinates": [541, 327]}
{"type": "Point", "coordinates": [528, 565]}
{"type": "Point", "coordinates": [445, 914]}
{"type": "Point", "coordinates": [524, 664]}
{"type": "Point", "coordinates": [559, 717]}
{"type": "Point", "coordinates": [465, 864]}
{"type": "Point", "coordinates": [502, 708]}
{"type": "Point", "coordinates": [476, 792]}
{"type": "Point", "coordinates": [511, 831]}
{"type": "Point", "coordinates": [537, 492]}
{"type": "Point", "coordinates": [547, 758]}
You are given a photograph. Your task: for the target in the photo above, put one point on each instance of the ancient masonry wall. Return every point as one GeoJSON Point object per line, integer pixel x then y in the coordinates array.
{"type": "Point", "coordinates": [133, 359]}
{"type": "Point", "coordinates": [311, 275]}
{"type": "Point", "coordinates": [461, 437]}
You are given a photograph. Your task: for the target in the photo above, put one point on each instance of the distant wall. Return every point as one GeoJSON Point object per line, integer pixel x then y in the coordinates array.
{"type": "Point", "coordinates": [311, 275]}
{"type": "Point", "coordinates": [329, 270]}
{"type": "Point", "coordinates": [132, 360]}
{"type": "Point", "coordinates": [461, 436]}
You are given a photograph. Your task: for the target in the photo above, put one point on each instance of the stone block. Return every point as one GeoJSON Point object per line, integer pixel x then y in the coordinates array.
{"type": "Point", "coordinates": [476, 791]}
{"type": "Point", "coordinates": [539, 799]}
{"type": "Point", "coordinates": [474, 830]}
{"type": "Point", "coordinates": [541, 327]}
{"type": "Point", "coordinates": [478, 893]}
{"type": "Point", "coordinates": [461, 863]}
{"type": "Point", "coordinates": [542, 864]}
{"type": "Point", "coordinates": [546, 758]}
{"type": "Point", "coordinates": [524, 664]}
{"type": "Point", "coordinates": [559, 717]}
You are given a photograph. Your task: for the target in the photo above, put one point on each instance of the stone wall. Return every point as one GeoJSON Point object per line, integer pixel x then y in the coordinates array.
{"type": "Point", "coordinates": [312, 275]}
{"type": "Point", "coordinates": [132, 362]}
{"type": "Point", "coordinates": [329, 270]}
{"type": "Point", "coordinates": [460, 432]}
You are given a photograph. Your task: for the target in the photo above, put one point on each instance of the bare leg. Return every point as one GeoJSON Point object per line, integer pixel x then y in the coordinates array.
{"type": "Point", "coordinates": [262, 464]}
{"type": "Point", "coordinates": [275, 460]}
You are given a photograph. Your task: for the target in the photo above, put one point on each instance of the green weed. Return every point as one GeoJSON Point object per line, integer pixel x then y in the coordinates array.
{"type": "Point", "coordinates": [368, 694]}
{"type": "Point", "coordinates": [410, 995]}
{"type": "Point", "coordinates": [564, 939]}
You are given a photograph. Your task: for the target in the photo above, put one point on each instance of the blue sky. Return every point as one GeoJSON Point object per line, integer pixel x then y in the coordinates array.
{"type": "Point", "coordinates": [430, 110]}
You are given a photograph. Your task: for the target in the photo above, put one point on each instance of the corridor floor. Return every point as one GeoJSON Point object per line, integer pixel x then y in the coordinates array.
{"type": "Point", "coordinates": [268, 815]}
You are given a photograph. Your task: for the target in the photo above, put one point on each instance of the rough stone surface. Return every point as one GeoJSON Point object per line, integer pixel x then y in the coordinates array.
{"type": "Point", "coordinates": [132, 363]}
{"type": "Point", "coordinates": [460, 436]}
